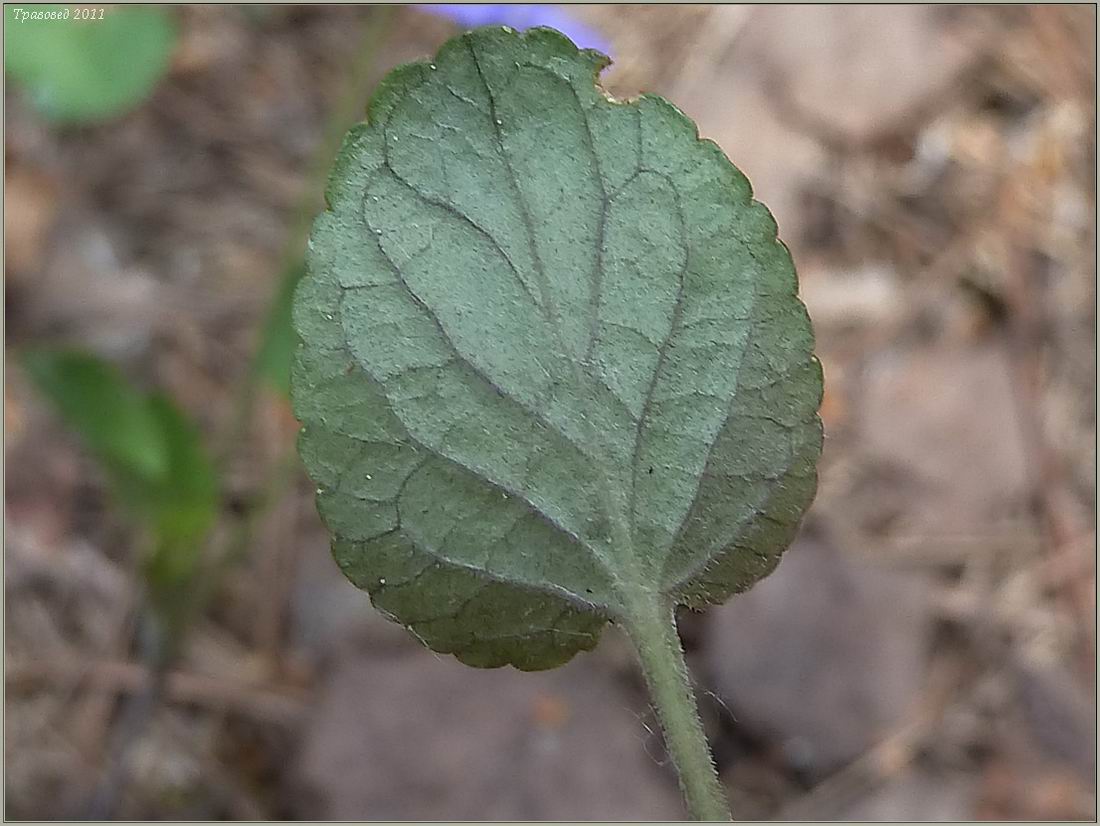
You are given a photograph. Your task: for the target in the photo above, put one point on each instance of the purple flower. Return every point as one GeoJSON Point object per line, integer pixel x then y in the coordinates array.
{"type": "Point", "coordinates": [520, 16]}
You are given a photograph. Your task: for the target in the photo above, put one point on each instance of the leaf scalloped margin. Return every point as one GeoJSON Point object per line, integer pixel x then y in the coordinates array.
{"type": "Point", "coordinates": [350, 432]}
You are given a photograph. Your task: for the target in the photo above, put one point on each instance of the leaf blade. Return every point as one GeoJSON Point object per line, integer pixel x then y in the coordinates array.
{"type": "Point", "coordinates": [566, 302]}
{"type": "Point", "coordinates": [97, 401]}
{"type": "Point", "coordinates": [152, 453]}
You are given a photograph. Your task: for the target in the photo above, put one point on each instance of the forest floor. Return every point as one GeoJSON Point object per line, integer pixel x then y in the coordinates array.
{"type": "Point", "coordinates": [926, 650]}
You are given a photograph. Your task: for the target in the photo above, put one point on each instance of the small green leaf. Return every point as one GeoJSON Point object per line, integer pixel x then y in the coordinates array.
{"type": "Point", "coordinates": [114, 420]}
{"type": "Point", "coordinates": [278, 339]}
{"type": "Point", "coordinates": [152, 454]}
{"type": "Point", "coordinates": [182, 513]}
{"type": "Point", "coordinates": [82, 70]}
{"type": "Point", "coordinates": [554, 368]}
{"type": "Point", "coordinates": [187, 502]}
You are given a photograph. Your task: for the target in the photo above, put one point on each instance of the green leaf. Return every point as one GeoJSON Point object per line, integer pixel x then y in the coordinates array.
{"type": "Point", "coordinates": [78, 70]}
{"type": "Point", "coordinates": [278, 339]}
{"type": "Point", "coordinates": [554, 368]}
{"type": "Point", "coordinates": [152, 454]}
{"type": "Point", "coordinates": [182, 512]}
{"type": "Point", "coordinates": [187, 500]}
{"type": "Point", "coordinates": [111, 416]}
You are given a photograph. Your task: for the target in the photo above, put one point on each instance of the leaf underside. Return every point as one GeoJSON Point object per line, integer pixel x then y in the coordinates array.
{"type": "Point", "coordinates": [553, 358]}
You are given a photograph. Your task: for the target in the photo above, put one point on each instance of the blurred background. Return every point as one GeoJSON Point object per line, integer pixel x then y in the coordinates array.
{"type": "Point", "coordinates": [179, 642]}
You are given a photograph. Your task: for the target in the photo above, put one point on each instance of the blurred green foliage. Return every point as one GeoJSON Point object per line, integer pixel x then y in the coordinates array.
{"type": "Point", "coordinates": [154, 459]}
{"type": "Point", "coordinates": [278, 337]}
{"type": "Point", "coordinates": [115, 421]}
{"type": "Point", "coordinates": [78, 70]}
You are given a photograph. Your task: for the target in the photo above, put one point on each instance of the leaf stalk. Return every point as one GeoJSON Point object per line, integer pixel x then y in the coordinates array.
{"type": "Point", "coordinates": [653, 632]}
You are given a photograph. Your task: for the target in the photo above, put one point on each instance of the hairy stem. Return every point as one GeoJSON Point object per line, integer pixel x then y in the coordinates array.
{"type": "Point", "coordinates": [653, 632]}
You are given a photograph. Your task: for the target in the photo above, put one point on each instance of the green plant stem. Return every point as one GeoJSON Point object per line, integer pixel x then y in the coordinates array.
{"type": "Point", "coordinates": [653, 632]}
{"type": "Point", "coordinates": [349, 108]}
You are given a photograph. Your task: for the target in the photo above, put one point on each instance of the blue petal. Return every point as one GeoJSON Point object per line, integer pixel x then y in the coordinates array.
{"type": "Point", "coordinates": [519, 16]}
